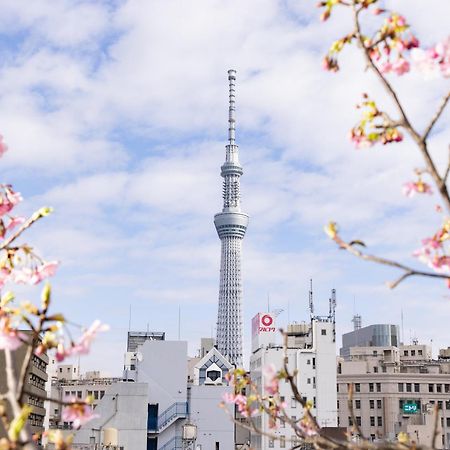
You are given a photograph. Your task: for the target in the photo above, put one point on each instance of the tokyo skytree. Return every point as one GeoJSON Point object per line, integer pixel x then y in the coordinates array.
{"type": "Point", "coordinates": [231, 225]}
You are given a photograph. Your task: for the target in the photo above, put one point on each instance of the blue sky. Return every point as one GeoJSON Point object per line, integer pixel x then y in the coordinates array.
{"type": "Point", "coordinates": [115, 114]}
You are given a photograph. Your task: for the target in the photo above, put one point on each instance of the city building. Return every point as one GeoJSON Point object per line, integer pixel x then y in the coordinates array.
{"type": "Point", "coordinates": [231, 225]}
{"type": "Point", "coordinates": [134, 339]}
{"type": "Point", "coordinates": [395, 387]}
{"type": "Point", "coordinates": [311, 351]}
{"type": "Point", "coordinates": [34, 385]}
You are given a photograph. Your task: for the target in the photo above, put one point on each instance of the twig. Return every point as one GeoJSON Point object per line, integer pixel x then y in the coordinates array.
{"type": "Point", "coordinates": [355, 424]}
{"type": "Point", "coordinates": [436, 116]}
{"type": "Point", "coordinates": [435, 426]}
{"type": "Point", "coordinates": [408, 271]}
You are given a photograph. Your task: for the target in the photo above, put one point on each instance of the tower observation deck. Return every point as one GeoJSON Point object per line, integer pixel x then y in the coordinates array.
{"type": "Point", "coordinates": [231, 225]}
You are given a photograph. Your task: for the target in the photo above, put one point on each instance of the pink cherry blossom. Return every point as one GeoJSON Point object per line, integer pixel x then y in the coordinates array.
{"type": "Point", "coordinates": [8, 200]}
{"type": "Point", "coordinates": [434, 61]}
{"type": "Point", "coordinates": [400, 66]}
{"type": "Point", "coordinates": [10, 338]}
{"type": "Point", "coordinates": [3, 147]}
{"type": "Point", "coordinates": [419, 187]}
{"type": "Point", "coordinates": [14, 221]}
{"type": "Point", "coordinates": [271, 384]}
{"type": "Point", "coordinates": [78, 414]}
{"type": "Point", "coordinates": [28, 275]}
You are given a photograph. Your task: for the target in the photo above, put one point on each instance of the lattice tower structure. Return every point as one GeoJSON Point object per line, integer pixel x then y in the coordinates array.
{"type": "Point", "coordinates": [231, 225]}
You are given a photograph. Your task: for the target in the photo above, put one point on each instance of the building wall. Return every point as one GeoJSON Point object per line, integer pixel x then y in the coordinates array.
{"type": "Point", "coordinates": [124, 407]}
{"type": "Point", "coordinates": [34, 384]}
{"type": "Point", "coordinates": [213, 425]}
{"type": "Point", "coordinates": [315, 362]}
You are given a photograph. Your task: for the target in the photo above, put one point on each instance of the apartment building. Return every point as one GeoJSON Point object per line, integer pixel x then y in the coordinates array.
{"type": "Point", "coordinates": [34, 386]}
{"type": "Point", "coordinates": [396, 387]}
{"type": "Point", "coordinates": [311, 350]}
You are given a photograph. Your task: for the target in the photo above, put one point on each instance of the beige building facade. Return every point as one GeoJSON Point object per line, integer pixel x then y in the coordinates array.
{"type": "Point", "coordinates": [395, 389]}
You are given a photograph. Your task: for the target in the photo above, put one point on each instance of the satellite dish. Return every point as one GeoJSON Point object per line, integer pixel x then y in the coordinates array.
{"type": "Point", "coordinates": [139, 356]}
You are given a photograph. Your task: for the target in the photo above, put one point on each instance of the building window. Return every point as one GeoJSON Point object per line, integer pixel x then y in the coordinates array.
{"type": "Point", "coordinates": [96, 395]}
{"type": "Point", "coordinates": [350, 421]}
{"type": "Point", "coordinates": [431, 388]}
{"type": "Point", "coordinates": [375, 353]}
{"type": "Point", "coordinates": [447, 404]}
{"type": "Point", "coordinates": [357, 387]}
{"type": "Point", "coordinates": [271, 441]}
{"type": "Point", "coordinates": [358, 421]}
{"type": "Point", "coordinates": [293, 402]}
{"type": "Point", "coordinates": [337, 387]}
{"type": "Point", "coordinates": [282, 442]}
{"type": "Point", "coordinates": [416, 387]}
{"type": "Point", "coordinates": [372, 437]}
{"type": "Point", "coordinates": [357, 404]}
{"type": "Point", "coordinates": [439, 388]}
{"type": "Point", "coordinates": [337, 404]}
{"type": "Point", "coordinates": [400, 403]}
{"type": "Point", "coordinates": [408, 387]}
{"type": "Point", "coordinates": [60, 370]}
{"type": "Point", "coordinates": [447, 388]}
{"type": "Point", "coordinates": [324, 332]}
{"type": "Point", "coordinates": [102, 393]}
{"type": "Point", "coordinates": [372, 404]}
{"type": "Point", "coordinates": [379, 404]}
{"type": "Point", "coordinates": [79, 394]}
{"type": "Point", "coordinates": [379, 421]}
{"type": "Point", "coordinates": [400, 387]}
{"type": "Point", "coordinates": [405, 353]}
{"type": "Point", "coordinates": [308, 381]}
{"type": "Point", "coordinates": [413, 353]}
{"type": "Point", "coordinates": [314, 363]}
{"type": "Point", "coordinates": [370, 387]}
{"type": "Point", "coordinates": [375, 370]}
{"type": "Point", "coordinates": [308, 361]}
{"type": "Point", "coordinates": [448, 421]}
{"type": "Point", "coordinates": [439, 404]}
{"type": "Point", "coordinates": [372, 421]}
{"type": "Point", "coordinates": [419, 352]}
{"type": "Point", "coordinates": [378, 387]}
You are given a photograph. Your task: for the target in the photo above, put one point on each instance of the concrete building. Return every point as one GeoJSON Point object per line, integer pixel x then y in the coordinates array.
{"type": "Point", "coordinates": [34, 386]}
{"type": "Point", "coordinates": [312, 352]}
{"type": "Point", "coordinates": [395, 387]}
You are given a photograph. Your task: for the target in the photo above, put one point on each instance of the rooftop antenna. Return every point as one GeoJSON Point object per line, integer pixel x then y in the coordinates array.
{"type": "Point", "coordinates": [403, 331]}
{"type": "Point", "coordinates": [288, 312]}
{"type": "Point", "coordinates": [179, 322]}
{"type": "Point", "coordinates": [129, 319]}
{"type": "Point", "coordinates": [268, 302]}
{"type": "Point", "coordinates": [311, 302]}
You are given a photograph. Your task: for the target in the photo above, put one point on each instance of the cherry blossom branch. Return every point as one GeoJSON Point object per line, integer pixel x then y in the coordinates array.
{"type": "Point", "coordinates": [435, 427]}
{"type": "Point", "coordinates": [436, 116]}
{"type": "Point", "coordinates": [27, 224]}
{"type": "Point", "coordinates": [405, 123]}
{"type": "Point", "coordinates": [355, 424]}
{"type": "Point", "coordinates": [447, 171]}
{"type": "Point", "coordinates": [408, 271]}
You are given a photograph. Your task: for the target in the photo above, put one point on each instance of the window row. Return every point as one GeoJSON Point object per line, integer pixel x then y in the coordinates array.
{"type": "Point", "coordinates": [373, 421]}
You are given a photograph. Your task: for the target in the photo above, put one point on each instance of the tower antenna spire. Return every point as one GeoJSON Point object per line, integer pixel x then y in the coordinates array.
{"type": "Point", "coordinates": [232, 107]}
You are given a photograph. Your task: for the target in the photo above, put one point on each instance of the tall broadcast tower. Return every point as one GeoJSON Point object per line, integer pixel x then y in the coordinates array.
{"type": "Point", "coordinates": [231, 225]}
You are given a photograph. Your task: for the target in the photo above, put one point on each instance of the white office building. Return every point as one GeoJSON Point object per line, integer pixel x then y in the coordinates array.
{"type": "Point", "coordinates": [312, 353]}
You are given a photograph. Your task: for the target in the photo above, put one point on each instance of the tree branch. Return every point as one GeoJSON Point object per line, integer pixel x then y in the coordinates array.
{"type": "Point", "coordinates": [436, 116]}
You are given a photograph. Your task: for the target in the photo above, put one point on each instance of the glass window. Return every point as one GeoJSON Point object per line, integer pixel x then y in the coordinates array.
{"type": "Point", "coordinates": [405, 353]}
{"type": "Point", "coordinates": [357, 387]}
{"type": "Point", "coordinates": [358, 421]}
{"type": "Point", "coordinates": [102, 393]}
{"type": "Point", "coordinates": [413, 353]}
{"type": "Point", "coordinates": [372, 404]}
{"type": "Point", "coordinates": [372, 421]}
{"type": "Point", "coordinates": [447, 388]}
{"type": "Point", "coordinates": [439, 388]}
{"type": "Point", "coordinates": [375, 370]}
{"type": "Point", "coordinates": [370, 387]}
{"type": "Point", "coordinates": [379, 404]}
{"type": "Point", "coordinates": [357, 404]}
{"type": "Point", "coordinates": [448, 421]}
{"type": "Point", "coordinates": [416, 387]}
{"type": "Point", "coordinates": [419, 352]}
{"type": "Point", "coordinates": [379, 421]}
{"type": "Point", "coordinates": [324, 332]}
{"type": "Point", "coordinates": [271, 441]}
{"type": "Point", "coordinates": [282, 442]}
{"type": "Point", "coordinates": [400, 387]}
{"type": "Point", "coordinates": [378, 387]}
{"type": "Point", "coordinates": [408, 387]}
{"type": "Point", "coordinates": [431, 388]}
